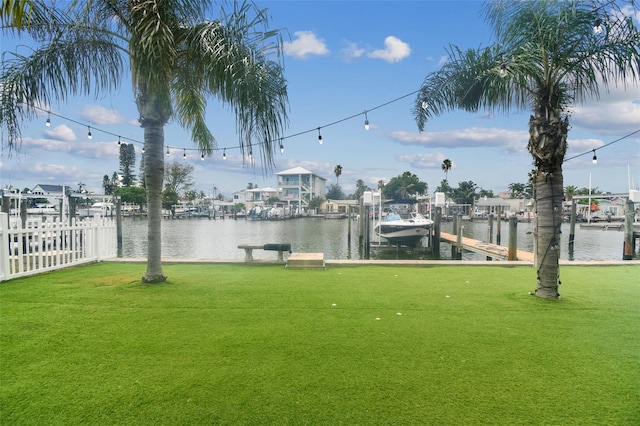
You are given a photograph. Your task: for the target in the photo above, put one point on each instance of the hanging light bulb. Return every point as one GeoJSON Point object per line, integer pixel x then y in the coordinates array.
{"type": "Point", "coordinates": [594, 160]}
{"type": "Point", "coordinates": [597, 26]}
{"type": "Point", "coordinates": [48, 123]}
{"type": "Point", "coordinates": [143, 149]}
{"type": "Point", "coordinates": [366, 121]}
{"type": "Point", "coordinates": [503, 70]}
{"type": "Point", "coordinates": [168, 154]}
{"type": "Point", "coordinates": [425, 105]}
{"type": "Point", "coordinates": [319, 136]}
{"type": "Point", "coordinates": [202, 157]}
{"type": "Point", "coordinates": [250, 153]}
{"type": "Point", "coordinates": [184, 154]}
{"type": "Point", "coordinates": [89, 135]}
{"type": "Point", "coordinates": [281, 146]}
{"type": "Point", "coordinates": [119, 142]}
{"type": "Point", "coordinates": [224, 154]}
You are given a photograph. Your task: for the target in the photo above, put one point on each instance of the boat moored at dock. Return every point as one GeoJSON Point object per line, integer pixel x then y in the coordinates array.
{"type": "Point", "coordinates": [404, 229]}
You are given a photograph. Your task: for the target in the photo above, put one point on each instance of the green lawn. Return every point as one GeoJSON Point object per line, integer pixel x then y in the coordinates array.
{"type": "Point", "coordinates": [254, 345]}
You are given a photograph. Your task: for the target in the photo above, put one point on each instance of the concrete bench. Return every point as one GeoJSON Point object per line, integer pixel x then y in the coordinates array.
{"type": "Point", "coordinates": [249, 248]}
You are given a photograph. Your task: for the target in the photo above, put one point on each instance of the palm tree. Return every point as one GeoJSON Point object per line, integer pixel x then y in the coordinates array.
{"type": "Point", "coordinates": [546, 57]}
{"type": "Point", "coordinates": [517, 189]}
{"type": "Point", "coordinates": [446, 166]}
{"type": "Point", "coordinates": [338, 171]}
{"type": "Point", "coordinates": [178, 57]}
{"type": "Point", "coordinates": [570, 191]}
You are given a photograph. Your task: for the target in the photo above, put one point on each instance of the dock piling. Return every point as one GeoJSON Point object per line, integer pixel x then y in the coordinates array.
{"type": "Point", "coordinates": [572, 228]}
{"type": "Point", "coordinates": [490, 233]}
{"type": "Point", "coordinates": [436, 233]}
{"type": "Point", "coordinates": [628, 246]}
{"type": "Point", "coordinates": [513, 238]}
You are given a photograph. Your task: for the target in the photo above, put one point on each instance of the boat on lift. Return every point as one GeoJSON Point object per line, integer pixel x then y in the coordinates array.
{"type": "Point", "coordinates": [404, 229]}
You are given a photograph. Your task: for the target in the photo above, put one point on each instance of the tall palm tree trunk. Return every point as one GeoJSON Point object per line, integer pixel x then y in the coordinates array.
{"type": "Point", "coordinates": [549, 220]}
{"type": "Point", "coordinates": [548, 145]}
{"type": "Point", "coordinates": [154, 176]}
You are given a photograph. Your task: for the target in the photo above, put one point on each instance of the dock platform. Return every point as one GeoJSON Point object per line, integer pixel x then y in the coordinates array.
{"type": "Point", "coordinates": [493, 250]}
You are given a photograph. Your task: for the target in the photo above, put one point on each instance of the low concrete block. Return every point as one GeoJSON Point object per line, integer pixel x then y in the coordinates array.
{"type": "Point", "coordinates": [306, 261]}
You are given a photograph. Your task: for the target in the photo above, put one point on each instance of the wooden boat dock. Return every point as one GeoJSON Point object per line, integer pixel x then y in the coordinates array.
{"type": "Point", "coordinates": [492, 250]}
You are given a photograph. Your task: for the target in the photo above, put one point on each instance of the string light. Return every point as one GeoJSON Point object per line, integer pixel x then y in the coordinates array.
{"type": "Point", "coordinates": [202, 157]}
{"type": "Point", "coordinates": [281, 147]}
{"type": "Point", "coordinates": [366, 121]}
{"type": "Point", "coordinates": [597, 26]}
{"type": "Point", "coordinates": [594, 160]}
{"type": "Point", "coordinates": [143, 148]}
{"type": "Point", "coordinates": [119, 142]}
{"type": "Point", "coordinates": [184, 153]}
{"type": "Point", "coordinates": [628, 135]}
{"type": "Point", "coordinates": [503, 70]}
{"type": "Point", "coordinates": [239, 146]}
{"type": "Point", "coordinates": [424, 105]}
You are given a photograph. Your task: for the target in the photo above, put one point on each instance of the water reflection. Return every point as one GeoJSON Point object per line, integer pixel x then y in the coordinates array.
{"type": "Point", "coordinates": [218, 239]}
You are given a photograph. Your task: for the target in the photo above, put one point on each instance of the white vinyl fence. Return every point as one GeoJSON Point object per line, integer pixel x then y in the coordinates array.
{"type": "Point", "coordinates": [53, 244]}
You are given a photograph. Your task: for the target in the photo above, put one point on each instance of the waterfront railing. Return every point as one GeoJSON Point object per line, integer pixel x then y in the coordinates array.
{"type": "Point", "coordinates": [41, 245]}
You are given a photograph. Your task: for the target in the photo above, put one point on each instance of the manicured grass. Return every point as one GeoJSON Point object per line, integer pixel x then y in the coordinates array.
{"type": "Point", "coordinates": [238, 344]}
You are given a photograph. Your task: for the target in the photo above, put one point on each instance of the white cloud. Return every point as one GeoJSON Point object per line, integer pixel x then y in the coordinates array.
{"type": "Point", "coordinates": [577, 146]}
{"type": "Point", "coordinates": [352, 51]}
{"type": "Point", "coordinates": [61, 133]}
{"type": "Point", "coordinates": [42, 145]}
{"type": "Point", "coordinates": [306, 43]}
{"type": "Point", "coordinates": [423, 161]}
{"type": "Point", "coordinates": [607, 117]}
{"type": "Point", "coordinates": [394, 50]}
{"type": "Point", "coordinates": [472, 137]}
{"type": "Point", "coordinates": [100, 115]}
{"type": "Point", "coordinates": [83, 149]}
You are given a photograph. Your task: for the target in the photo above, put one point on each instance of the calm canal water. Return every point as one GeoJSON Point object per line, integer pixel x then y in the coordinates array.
{"type": "Point", "coordinates": [218, 239]}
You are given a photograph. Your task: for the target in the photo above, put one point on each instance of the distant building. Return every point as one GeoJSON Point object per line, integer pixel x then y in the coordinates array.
{"type": "Point", "coordinates": [338, 207]}
{"type": "Point", "coordinates": [51, 190]}
{"type": "Point", "coordinates": [485, 206]}
{"type": "Point", "coordinates": [299, 186]}
{"type": "Point", "coordinates": [254, 197]}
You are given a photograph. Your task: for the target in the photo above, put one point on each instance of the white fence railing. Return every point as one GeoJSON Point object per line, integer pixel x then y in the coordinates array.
{"type": "Point", "coordinates": [53, 244]}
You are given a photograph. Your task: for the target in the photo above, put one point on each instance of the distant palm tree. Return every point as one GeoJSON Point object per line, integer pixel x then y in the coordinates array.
{"type": "Point", "coordinates": [570, 191]}
{"type": "Point", "coordinates": [548, 55]}
{"type": "Point", "coordinates": [517, 189]}
{"type": "Point", "coordinates": [338, 171]}
{"type": "Point", "coordinates": [178, 56]}
{"type": "Point", "coordinates": [446, 166]}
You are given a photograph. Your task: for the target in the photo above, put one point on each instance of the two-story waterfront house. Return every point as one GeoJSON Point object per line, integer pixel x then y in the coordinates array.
{"type": "Point", "coordinates": [298, 186]}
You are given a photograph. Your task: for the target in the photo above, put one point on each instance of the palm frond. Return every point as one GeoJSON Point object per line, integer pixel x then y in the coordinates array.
{"type": "Point", "coordinates": [229, 60]}
{"type": "Point", "coordinates": [77, 61]}
{"type": "Point", "coordinates": [546, 57]}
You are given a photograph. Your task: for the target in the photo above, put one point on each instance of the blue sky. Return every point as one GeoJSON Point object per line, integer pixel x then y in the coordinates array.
{"type": "Point", "coordinates": [343, 58]}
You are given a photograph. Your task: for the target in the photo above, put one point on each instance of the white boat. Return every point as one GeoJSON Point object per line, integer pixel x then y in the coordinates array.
{"type": "Point", "coordinates": [43, 209]}
{"type": "Point", "coordinates": [404, 229]}
{"type": "Point", "coordinates": [101, 208]}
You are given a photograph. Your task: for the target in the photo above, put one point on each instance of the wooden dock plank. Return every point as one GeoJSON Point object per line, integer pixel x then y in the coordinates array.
{"type": "Point", "coordinates": [489, 249]}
